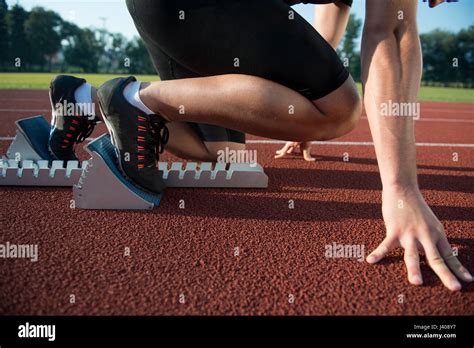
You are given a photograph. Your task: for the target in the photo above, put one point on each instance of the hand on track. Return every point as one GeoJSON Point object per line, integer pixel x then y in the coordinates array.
{"type": "Point", "coordinates": [411, 224]}
{"type": "Point", "coordinates": [289, 147]}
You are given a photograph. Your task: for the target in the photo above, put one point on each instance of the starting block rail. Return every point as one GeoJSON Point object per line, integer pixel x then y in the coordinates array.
{"type": "Point", "coordinates": [98, 182]}
{"type": "Point", "coordinates": [238, 175]}
{"type": "Point", "coordinates": [40, 173]}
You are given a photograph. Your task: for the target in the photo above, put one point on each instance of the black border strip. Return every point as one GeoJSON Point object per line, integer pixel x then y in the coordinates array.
{"type": "Point", "coordinates": [239, 330]}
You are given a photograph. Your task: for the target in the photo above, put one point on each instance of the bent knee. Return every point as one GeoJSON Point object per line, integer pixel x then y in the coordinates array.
{"type": "Point", "coordinates": [351, 108]}
{"type": "Point", "coordinates": [345, 121]}
{"type": "Point", "coordinates": [342, 109]}
{"type": "Point", "coordinates": [351, 119]}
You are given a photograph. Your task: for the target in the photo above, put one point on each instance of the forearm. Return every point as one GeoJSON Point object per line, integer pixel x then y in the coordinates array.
{"type": "Point", "coordinates": [330, 20]}
{"type": "Point", "coordinates": [391, 72]}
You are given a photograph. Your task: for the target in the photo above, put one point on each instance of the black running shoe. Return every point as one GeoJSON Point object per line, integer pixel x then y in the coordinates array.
{"type": "Point", "coordinates": [138, 138]}
{"type": "Point", "coordinates": [68, 127]}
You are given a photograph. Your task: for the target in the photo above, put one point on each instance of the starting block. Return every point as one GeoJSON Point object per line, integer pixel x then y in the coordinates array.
{"type": "Point", "coordinates": [28, 162]}
{"type": "Point", "coordinates": [103, 186]}
{"type": "Point", "coordinates": [31, 140]}
{"type": "Point", "coordinates": [39, 173]}
{"type": "Point", "coordinates": [98, 183]}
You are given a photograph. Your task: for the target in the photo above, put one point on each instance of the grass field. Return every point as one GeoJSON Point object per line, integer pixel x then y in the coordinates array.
{"type": "Point", "coordinates": [41, 81]}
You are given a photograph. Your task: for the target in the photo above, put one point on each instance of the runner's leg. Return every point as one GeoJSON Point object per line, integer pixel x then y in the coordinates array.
{"type": "Point", "coordinates": [299, 88]}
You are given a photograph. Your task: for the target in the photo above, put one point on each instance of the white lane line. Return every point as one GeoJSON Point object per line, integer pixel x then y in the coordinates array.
{"type": "Point", "coordinates": [343, 143]}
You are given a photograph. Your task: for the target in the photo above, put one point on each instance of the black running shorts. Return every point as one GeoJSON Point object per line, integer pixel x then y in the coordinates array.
{"type": "Point", "coordinates": [265, 38]}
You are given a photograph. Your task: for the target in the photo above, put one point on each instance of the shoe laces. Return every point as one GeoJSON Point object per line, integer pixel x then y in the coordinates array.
{"type": "Point", "coordinates": [77, 132]}
{"type": "Point", "coordinates": [86, 131]}
{"type": "Point", "coordinates": [158, 139]}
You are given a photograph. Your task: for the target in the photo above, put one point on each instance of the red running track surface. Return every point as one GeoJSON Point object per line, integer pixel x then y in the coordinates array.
{"type": "Point", "coordinates": [190, 253]}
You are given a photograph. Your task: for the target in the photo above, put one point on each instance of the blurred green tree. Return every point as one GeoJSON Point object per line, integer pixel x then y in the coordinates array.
{"type": "Point", "coordinates": [83, 49]}
{"type": "Point", "coordinates": [465, 52]}
{"type": "Point", "coordinates": [347, 50]}
{"type": "Point", "coordinates": [139, 59]}
{"type": "Point", "coordinates": [448, 57]}
{"type": "Point", "coordinates": [4, 35]}
{"type": "Point", "coordinates": [19, 46]}
{"type": "Point", "coordinates": [42, 29]}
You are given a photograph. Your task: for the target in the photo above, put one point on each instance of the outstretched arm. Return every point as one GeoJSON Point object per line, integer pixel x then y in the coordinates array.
{"type": "Point", "coordinates": [391, 73]}
{"type": "Point", "coordinates": [330, 20]}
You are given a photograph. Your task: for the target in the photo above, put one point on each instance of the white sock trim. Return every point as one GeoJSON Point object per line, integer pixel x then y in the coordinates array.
{"type": "Point", "coordinates": [132, 95]}
{"type": "Point", "coordinates": [83, 96]}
